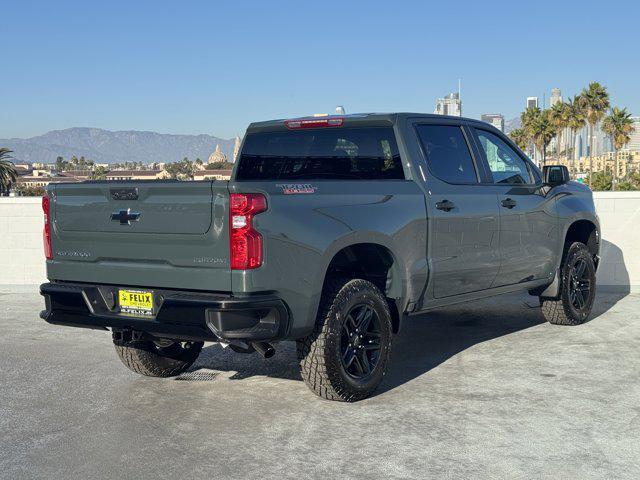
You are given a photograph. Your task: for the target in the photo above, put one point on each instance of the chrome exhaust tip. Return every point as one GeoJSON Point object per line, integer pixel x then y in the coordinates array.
{"type": "Point", "coordinates": [263, 348]}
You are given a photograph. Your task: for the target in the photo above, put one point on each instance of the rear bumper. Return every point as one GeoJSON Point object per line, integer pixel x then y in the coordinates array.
{"type": "Point", "coordinates": [185, 315]}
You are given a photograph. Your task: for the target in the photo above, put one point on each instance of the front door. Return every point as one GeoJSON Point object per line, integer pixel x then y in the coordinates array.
{"type": "Point", "coordinates": [463, 216]}
{"type": "Point", "coordinates": [528, 223]}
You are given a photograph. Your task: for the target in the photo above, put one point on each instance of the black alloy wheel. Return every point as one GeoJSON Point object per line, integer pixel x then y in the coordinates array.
{"type": "Point", "coordinates": [577, 288]}
{"type": "Point", "coordinates": [580, 285]}
{"type": "Point", "coordinates": [345, 357]}
{"type": "Point", "coordinates": [360, 341]}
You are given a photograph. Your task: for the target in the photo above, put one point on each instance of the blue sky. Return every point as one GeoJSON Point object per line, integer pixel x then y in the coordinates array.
{"type": "Point", "coordinates": [214, 66]}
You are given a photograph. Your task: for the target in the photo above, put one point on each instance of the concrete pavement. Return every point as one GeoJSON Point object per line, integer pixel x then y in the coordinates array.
{"type": "Point", "coordinates": [483, 390]}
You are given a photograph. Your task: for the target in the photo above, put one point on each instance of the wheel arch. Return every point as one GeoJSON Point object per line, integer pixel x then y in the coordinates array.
{"type": "Point", "coordinates": [582, 229]}
{"type": "Point", "coordinates": [586, 231]}
{"type": "Point", "coordinates": [370, 257]}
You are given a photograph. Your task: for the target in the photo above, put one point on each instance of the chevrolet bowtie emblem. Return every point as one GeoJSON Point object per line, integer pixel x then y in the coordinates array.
{"type": "Point", "coordinates": [125, 217]}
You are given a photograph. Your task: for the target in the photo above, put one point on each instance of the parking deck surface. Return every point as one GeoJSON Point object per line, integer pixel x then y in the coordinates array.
{"type": "Point", "coordinates": [482, 390]}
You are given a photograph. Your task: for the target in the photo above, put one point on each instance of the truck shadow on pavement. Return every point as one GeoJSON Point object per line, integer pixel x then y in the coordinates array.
{"type": "Point", "coordinates": [613, 282]}
{"type": "Point", "coordinates": [425, 341]}
{"type": "Point", "coordinates": [430, 339]}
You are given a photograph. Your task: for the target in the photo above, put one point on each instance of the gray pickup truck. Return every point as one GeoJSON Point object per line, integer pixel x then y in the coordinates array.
{"type": "Point", "coordinates": [331, 231]}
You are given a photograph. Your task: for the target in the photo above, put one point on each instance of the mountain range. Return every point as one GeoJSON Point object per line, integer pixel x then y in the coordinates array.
{"type": "Point", "coordinates": [512, 124]}
{"type": "Point", "coordinates": [105, 146]}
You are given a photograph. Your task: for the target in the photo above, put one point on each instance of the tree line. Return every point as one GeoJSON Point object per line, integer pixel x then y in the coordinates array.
{"type": "Point", "coordinates": [182, 170]}
{"type": "Point", "coordinates": [186, 169]}
{"type": "Point", "coordinates": [590, 107]}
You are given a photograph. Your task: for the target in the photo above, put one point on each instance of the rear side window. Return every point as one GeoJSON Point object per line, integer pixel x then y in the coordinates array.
{"type": "Point", "coordinates": [331, 153]}
{"type": "Point", "coordinates": [447, 153]}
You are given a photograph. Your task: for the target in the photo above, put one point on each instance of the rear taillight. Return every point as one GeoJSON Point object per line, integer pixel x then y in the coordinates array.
{"type": "Point", "coordinates": [314, 123]}
{"type": "Point", "coordinates": [46, 232]}
{"type": "Point", "coordinates": [246, 242]}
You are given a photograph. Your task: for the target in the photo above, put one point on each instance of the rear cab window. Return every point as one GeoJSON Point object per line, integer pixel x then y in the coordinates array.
{"type": "Point", "coordinates": [343, 153]}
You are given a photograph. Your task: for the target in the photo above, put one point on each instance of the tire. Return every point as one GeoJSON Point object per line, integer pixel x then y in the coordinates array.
{"type": "Point", "coordinates": [577, 288]}
{"type": "Point", "coordinates": [158, 358]}
{"type": "Point", "coordinates": [346, 356]}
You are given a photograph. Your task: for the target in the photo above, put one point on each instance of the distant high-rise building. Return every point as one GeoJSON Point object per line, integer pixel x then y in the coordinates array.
{"type": "Point", "coordinates": [600, 140]}
{"type": "Point", "coordinates": [236, 149]}
{"type": "Point", "coordinates": [577, 146]}
{"type": "Point", "coordinates": [634, 144]}
{"type": "Point", "coordinates": [449, 105]}
{"type": "Point", "coordinates": [494, 119]}
{"type": "Point", "coordinates": [532, 102]}
{"type": "Point", "coordinates": [556, 96]}
{"type": "Point", "coordinates": [594, 141]}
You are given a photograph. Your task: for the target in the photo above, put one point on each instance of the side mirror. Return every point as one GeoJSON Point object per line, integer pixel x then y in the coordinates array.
{"type": "Point", "coordinates": [554, 175]}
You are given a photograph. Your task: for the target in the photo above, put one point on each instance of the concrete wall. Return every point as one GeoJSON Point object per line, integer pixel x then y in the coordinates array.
{"type": "Point", "coordinates": [619, 214]}
{"type": "Point", "coordinates": [22, 258]}
{"type": "Point", "coordinates": [21, 251]}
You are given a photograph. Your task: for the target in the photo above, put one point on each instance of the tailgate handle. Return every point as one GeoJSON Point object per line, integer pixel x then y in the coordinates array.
{"type": "Point", "coordinates": [124, 193]}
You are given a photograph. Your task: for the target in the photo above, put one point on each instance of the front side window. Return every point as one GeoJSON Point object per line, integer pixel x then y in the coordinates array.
{"type": "Point", "coordinates": [505, 164]}
{"type": "Point", "coordinates": [333, 154]}
{"type": "Point", "coordinates": [447, 153]}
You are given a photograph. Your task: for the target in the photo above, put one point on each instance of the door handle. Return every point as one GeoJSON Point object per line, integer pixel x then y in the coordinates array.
{"type": "Point", "coordinates": [445, 205]}
{"type": "Point", "coordinates": [508, 203]}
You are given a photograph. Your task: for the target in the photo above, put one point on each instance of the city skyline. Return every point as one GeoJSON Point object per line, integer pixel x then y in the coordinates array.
{"type": "Point", "coordinates": [495, 119]}
{"type": "Point", "coordinates": [197, 69]}
{"type": "Point", "coordinates": [451, 104]}
{"type": "Point", "coordinates": [634, 143]}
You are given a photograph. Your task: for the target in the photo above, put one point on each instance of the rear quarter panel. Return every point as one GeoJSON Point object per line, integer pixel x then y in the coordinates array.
{"type": "Point", "coordinates": [303, 232]}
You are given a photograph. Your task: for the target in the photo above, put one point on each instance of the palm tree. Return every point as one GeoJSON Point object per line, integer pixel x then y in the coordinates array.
{"type": "Point", "coordinates": [520, 138]}
{"type": "Point", "coordinates": [8, 173]}
{"type": "Point", "coordinates": [537, 125]}
{"type": "Point", "coordinates": [594, 101]}
{"type": "Point", "coordinates": [576, 120]}
{"type": "Point", "coordinates": [543, 133]}
{"type": "Point", "coordinates": [99, 173]}
{"type": "Point", "coordinates": [559, 118]}
{"type": "Point", "coordinates": [528, 118]}
{"type": "Point", "coordinates": [619, 126]}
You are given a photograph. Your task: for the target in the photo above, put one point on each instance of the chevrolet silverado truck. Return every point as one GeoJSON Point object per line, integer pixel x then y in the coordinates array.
{"type": "Point", "coordinates": [331, 231]}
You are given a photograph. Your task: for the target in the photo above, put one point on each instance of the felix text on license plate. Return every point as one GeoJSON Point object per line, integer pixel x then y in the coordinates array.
{"type": "Point", "coordinates": [137, 302]}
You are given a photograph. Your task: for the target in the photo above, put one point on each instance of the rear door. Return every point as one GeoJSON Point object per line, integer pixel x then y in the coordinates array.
{"type": "Point", "coordinates": [528, 223]}
{"type": "Point", "coordinates": [146, 233]}
{"type": "Point", "coordinates": [463, 247]}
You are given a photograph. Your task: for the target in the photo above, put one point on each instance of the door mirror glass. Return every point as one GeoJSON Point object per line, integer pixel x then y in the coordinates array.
{"type": "Point", "coordinates": [555, 174]}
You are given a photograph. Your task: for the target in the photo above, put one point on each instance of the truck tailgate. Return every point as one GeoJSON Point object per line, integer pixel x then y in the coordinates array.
{"type": "Point", "coordinates": [151, 234]}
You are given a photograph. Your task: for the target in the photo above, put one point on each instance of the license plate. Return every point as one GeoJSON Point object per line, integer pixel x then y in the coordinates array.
{"type": "Point", "coordinates": [136, 302]}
